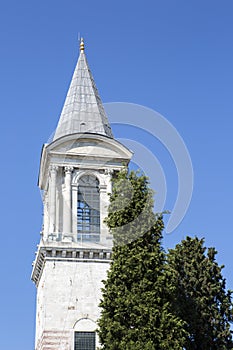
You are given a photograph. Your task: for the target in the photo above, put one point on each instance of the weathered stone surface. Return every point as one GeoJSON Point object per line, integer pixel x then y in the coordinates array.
{"type": "Point", "coordinates": [68, 292]}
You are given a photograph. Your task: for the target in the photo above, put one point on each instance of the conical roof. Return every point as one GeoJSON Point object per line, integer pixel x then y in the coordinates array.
{"type": "Point", "coordinates": [83, 110]}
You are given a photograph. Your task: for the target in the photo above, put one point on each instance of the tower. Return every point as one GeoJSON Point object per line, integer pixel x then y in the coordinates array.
{"type": "Point", "coordinates": [75, 246]}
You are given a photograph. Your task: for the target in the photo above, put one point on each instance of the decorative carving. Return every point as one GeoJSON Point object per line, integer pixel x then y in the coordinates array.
{"type": "Point", "coordinates": [108, 171]}
{"type": "Point", "coordinates": [53, 168]}
{"type": "Point", "coordinates": [68, 169]}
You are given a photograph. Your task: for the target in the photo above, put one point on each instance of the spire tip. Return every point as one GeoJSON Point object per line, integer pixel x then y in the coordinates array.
{"type": "Point", "coordinates": [81, 45]}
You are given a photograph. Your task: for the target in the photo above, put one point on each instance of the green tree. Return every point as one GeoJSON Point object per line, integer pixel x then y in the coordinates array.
{"type": "Point", "coordinates": [200, 297]}
{"type": "Point", "coordinates": [136, 304]}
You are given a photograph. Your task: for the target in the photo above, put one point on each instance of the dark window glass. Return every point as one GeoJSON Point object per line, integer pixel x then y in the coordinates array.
{"type": "Point", "coordinates": [84, 341]}
{"type": "Point", "coordinates": [88, 209]}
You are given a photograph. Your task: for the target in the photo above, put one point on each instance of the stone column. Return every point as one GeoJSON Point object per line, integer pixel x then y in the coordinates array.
{"type": "Point", "coordinates": [103, 213]}
{"type": "Point", "coordinates": [67, 204]}
{"type": "Point", "coordinates": [46, 215]}
{"type": "Point", "coordinates": [108, 173]}
{"type": "Point", "coordinates": [105, 188]}
{"type": "Point", "coordinates": [103, 201]}
{"type": "Point", "coordinates": [74, 210]}
{"type": "Point", "coordinates": [52, 199]}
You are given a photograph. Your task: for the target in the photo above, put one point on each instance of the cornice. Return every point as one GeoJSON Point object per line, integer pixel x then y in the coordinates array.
{"type": "Point", "coordinates": [71, 254]}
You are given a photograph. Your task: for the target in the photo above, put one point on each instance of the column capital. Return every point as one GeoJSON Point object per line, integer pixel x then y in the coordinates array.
{"type": "Point", "coordinates": [68, 169]}
{"type": "Point", "coordinates": [53, 168]}
{"type": "Point", "coordinates": [108, 171]}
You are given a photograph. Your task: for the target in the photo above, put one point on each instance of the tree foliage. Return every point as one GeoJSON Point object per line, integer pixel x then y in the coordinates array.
{"type": "Point", "coordinates": [136, 305]}
{"type": "Point", "coordinates": [200, 297]}
{"type": "Point", "coordinates": [154, 301]}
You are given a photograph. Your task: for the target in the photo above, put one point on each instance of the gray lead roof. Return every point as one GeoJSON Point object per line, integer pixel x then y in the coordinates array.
{"type": "Point", "coordinates": [83, 110]}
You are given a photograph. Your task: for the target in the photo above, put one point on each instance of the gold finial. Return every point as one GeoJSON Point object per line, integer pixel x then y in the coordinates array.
{"type": "Point", "coordinates": [82, 45]}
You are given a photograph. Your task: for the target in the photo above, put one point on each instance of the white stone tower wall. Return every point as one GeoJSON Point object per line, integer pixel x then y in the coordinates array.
{"type": "Point", "coordinates": [68, 291]}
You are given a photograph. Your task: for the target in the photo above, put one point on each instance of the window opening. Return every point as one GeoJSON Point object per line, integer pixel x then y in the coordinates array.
{"type": "Point", "coordinates": [84, 341]}
{"type": "Point", "coordinates": [88, 209]}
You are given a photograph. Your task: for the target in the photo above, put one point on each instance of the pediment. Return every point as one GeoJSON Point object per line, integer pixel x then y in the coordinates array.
{"type": "Point", "coordinates": [89, 146]}
{"type": "Point", "coordinates": [90, 149]}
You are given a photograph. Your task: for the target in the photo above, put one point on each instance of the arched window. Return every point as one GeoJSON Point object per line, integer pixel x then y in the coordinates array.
{"type": "Point", "coordinates": [88, 210]}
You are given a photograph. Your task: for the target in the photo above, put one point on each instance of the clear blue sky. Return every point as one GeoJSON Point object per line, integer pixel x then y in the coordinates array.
{"type": "Point", "coordinates": [175, 57]}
